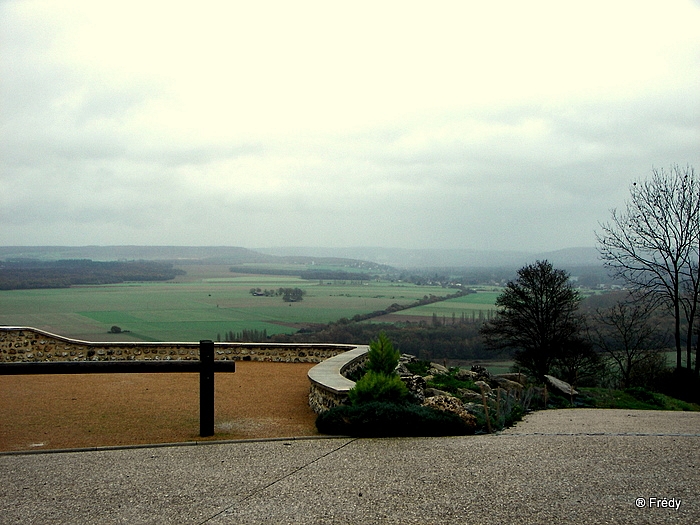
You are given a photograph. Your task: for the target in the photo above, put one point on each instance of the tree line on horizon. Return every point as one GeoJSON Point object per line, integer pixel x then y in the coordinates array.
{"type": "Point", "coordinates": [22, 274]}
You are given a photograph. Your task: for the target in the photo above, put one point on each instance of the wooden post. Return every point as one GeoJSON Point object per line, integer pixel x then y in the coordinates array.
{"type": "Point", "coordinates": [498, 406]}
{"type": "Point", "coordinates": [486, 409]}
{"type": "Point", "coordinates": [206, 388]}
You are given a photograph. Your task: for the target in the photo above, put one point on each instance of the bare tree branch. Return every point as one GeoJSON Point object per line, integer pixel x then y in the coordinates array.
{"type": "Point", "coordinates": [654, 246]}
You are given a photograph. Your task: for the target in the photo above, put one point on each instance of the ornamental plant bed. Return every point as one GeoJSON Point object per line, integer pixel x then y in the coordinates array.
{"type": "Point", "coordinates": [259, 400]}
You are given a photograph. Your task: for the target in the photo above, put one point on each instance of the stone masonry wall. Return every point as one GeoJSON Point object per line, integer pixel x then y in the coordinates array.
{"type": "Point", "coordinates": [353, 366]}
{"type": "Point", "coordinates": [326, 391]}
{"type": "Point", "coordinates": [322, 399]}
{"type": "Point", "coordinates": [24, 344]}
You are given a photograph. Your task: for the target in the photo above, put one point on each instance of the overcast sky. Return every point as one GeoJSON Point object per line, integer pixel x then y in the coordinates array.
{"type": "Point", "coordinates": [485, 125]}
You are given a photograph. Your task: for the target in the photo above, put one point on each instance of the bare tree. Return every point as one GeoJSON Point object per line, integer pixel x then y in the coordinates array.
{"type": "Point", "coordinates": [654, 246]}
{"type": "Point", "coordinates": [578, 363]}
{"type": "Point", "coordinates": [628, 333]}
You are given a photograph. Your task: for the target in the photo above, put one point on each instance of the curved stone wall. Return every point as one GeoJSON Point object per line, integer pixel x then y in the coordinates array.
{"type": "Point", "coordinates": [27, 344]}
{"type": "Point", "coordinates": [329, 386]}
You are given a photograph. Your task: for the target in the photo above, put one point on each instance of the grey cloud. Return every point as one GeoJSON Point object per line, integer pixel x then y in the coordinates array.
{"type": "Point", "coordinates": [84, 159]}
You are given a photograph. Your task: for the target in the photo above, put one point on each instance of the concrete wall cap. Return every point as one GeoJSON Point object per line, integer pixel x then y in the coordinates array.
{"type": "Point", "coordinates": [328, 374]}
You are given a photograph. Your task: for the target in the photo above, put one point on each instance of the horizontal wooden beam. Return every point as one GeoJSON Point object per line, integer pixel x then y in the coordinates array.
{"type": "Point", "coordinates": [110, 367]}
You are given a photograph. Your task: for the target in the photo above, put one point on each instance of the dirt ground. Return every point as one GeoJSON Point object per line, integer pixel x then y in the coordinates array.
{"type": "Point", "coordinates": [259, 400]}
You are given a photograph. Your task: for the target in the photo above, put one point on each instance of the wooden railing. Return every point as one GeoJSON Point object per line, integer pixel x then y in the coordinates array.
{"type": "Point", "coordinates": [205, 367]}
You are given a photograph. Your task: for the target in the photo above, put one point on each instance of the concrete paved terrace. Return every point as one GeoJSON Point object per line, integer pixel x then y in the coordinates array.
{"type": "Point", "coordinates": [560, 466]}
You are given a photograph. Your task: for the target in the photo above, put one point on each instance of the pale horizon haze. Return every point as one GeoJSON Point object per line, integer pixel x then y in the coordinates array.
{"type": "Point", "coordinates": [466, 125]}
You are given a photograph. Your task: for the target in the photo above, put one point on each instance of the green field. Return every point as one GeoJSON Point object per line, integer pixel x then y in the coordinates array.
{"type": "Point", "coordinates": [472, 306]}
{"type": "Point", "coordinates": [208, 301]}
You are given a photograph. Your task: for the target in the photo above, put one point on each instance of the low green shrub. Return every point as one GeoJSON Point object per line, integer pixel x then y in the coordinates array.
{"type": "Point", "coordinates": [375, 386]}
{"type": "Point", "coordinates": [681, 384]}
{"type": "Point", "coordinates": [631, 399]}
{"type": "Point", "coordinates": [449, 383]}
{"type": "Point", "coordinates": [645, 396]}
{"type": "Point", "coordinates": [419, 368]}
{"type": "Point", "coordinates": [378, 419]}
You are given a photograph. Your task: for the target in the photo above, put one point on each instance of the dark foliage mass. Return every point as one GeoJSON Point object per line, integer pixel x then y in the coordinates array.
{"type": "Point", "coordinates": [538, 318]}
{"type": "Point", "coordinates": [244, 336]}
{"type": "Point", "coordinates": [426, 341]}
{"type": "Point", "coordinates": [289, 295]}
{"type": "Point", "coordinates": [334, 275]}
{"type": "Point", "coordinates": [312, 275]}
{"type": "Point", "coordinates": [680, 383]}
{"type": "Point", "coordinates": [389, 419]}
{"type": "Point", "coordinates": [26, 273]}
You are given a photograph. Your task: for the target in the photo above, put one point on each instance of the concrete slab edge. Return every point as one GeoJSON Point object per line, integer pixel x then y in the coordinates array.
{"type": "Point", "coordinates": [167, 445]}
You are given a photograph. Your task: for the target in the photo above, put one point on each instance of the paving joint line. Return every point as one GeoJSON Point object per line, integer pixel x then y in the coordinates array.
{"type": "Point", "coordinates": [165, 445]}
{"type": "Point", "coordinates": [274, 482]}
{"type": "Point", "coordinates": [621, 434]}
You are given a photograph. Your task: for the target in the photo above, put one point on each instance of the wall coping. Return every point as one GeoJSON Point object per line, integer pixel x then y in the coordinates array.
{"type": "Point", "coordinates": [328, 373]}
{"type": "Point", "coordinates": [185, 344]}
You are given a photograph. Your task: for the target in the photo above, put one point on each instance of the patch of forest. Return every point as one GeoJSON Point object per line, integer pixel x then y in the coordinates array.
{"type": "Point", "coordinates": [426, 340]}
{"type": "Point", "coordinates": [311, 275]}
{"type": "Point", "coordinates": [23, 274]}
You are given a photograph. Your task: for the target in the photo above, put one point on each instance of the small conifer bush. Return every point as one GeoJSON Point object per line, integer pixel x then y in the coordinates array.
{"type": "Point", "coordinates": [382, 357]}
{"type": "Point", "coordinates": [376, 386]}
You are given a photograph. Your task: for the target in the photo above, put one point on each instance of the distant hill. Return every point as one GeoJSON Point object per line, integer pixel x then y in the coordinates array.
{"type": "Point", "coordinates": [446, 258]}
{"type": "Point", "coordinates": [357, 257]}
{"type": "Point", "coordinates": [181, 254]}
{"type": "Point", "coordinates": [232, 255]}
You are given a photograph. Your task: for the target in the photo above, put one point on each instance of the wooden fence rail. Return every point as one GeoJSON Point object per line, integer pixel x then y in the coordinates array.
{"type": "Point", "coordinates": [206, 367]}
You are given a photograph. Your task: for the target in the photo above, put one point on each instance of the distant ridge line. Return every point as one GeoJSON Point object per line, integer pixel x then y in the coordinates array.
{"type": "Point", "coordinates": [445, 258]}
{"type": "Point", "coordinates": [395, 257]}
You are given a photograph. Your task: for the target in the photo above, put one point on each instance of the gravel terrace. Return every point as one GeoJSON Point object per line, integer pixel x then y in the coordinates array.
{"type": "Point", "coordinates": [259, 400]}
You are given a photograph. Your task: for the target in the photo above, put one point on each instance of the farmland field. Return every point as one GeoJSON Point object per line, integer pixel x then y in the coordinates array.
{"type": "Point", "coordinates": [472, 306]}
{"type": "Point", "coordinates": [207, 301]}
